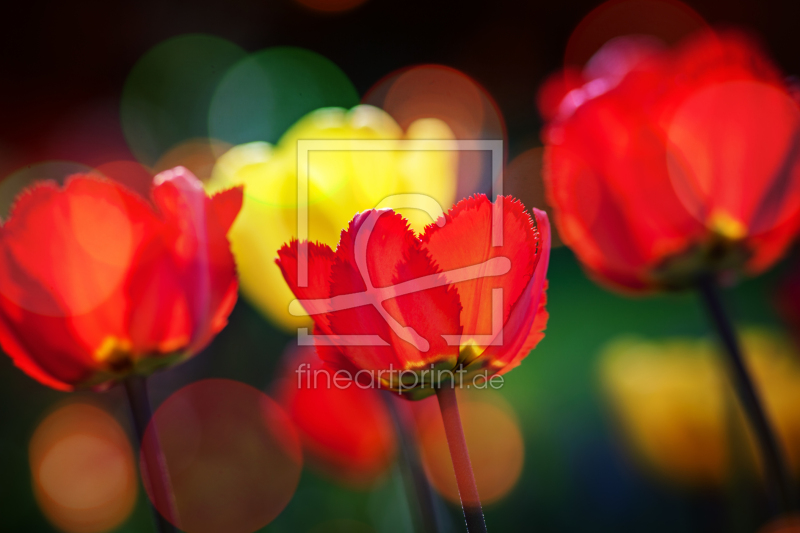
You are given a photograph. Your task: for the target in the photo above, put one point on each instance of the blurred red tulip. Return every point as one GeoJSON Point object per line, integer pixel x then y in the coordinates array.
{"type": "Point", "coordinates": [668, 164]}
{"type": "Point", "coordinates": [429, 303]}
{"type": "Point", "coordinates": [96, 284]}
{"type": "Point", "coordinates": [346, 430]}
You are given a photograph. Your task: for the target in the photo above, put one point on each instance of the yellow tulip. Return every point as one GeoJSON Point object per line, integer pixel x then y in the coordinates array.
{"type": "Point", "coordinates": [340, 184]}
{"type": "Point", "coordinates": [675, 407]}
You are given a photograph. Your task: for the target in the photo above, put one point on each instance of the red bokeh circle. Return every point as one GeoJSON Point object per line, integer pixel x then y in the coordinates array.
{"type": "Point", "coordinates": [232, 455]}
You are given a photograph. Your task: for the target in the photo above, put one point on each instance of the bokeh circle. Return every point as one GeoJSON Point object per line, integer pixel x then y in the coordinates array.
{"type": "Point", "coordinates": [83, 471]}
{"type": "Point", "coordinates": [265, 93]}
{"type": "Point", "coordinates": [232, 455]}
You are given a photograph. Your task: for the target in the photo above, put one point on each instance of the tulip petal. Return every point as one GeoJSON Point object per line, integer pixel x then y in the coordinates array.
{"type": "Point", "coordinates": [113, 285]}
{"type": "Point", "coordinates": [66, 256]}
{"type": "Point", "coordinates": [603, 169]}
{"type": "Point", "coordinates": [70, 370]}
{"type": "Point", "coordinates": [528, 318]}
{"type": "Point", "coordinates": [320, 261]}
{"type": "Point", "coordinates": [687, 164]}
{"type": "Point", "coordinates": [466, 240]}
{"type": "Point", "coordinates": [195, 242]}
{"type": "Point", "coordinates": [57, 359]}
{"type": "Point", "coordinates": [226, 206]}
{"type": "Point", "coordinates": [333, 357]}
{"type": "Point", "coordinates": [160, 320]}
{"type": "Point", "coordinates": [391, 255]}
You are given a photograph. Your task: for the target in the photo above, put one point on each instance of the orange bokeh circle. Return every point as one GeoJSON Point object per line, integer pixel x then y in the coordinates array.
{"type": "Point", "coordinates": [494, 439]}
{"type": "Point", "coordinates": [447, 94]}
{"type": "Point", "coordinates": [83, 471]}
{"type": "Point", "coordinates": [198, 155]}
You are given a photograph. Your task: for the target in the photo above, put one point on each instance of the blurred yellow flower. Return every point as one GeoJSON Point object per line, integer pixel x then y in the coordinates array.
{"type": "Point", "coordinates": [341, 183]}
{"type": "Point", "coordinates": [674, 405]}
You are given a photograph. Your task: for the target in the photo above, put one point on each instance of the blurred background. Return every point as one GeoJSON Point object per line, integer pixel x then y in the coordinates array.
{"type": "Point", "coordinates": [619, 421]}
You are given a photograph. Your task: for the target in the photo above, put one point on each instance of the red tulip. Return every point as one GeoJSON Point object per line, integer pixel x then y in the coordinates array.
{"type": "Point", "coordinates": [96, 284]}
{"type": "Point", "coordinates": [430, 306]}
{"type": "Point", "coordinates": [346, 430]}
{"type": "Point", "coordinates": [670, 164]}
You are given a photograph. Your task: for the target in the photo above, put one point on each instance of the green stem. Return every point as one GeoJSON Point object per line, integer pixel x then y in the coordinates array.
{"type": "Point", "coordinates": [775, 472]}
{"type": "Point", "coordinates": [465, 478]}
{"type": "Point", "coordinates": [154, 468]}
{"type": "Point", "coordinates": [417, 487]}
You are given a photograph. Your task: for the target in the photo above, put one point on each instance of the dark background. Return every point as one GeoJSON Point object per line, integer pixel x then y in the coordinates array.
{"type": "Point", "coordinates": [59, 58]}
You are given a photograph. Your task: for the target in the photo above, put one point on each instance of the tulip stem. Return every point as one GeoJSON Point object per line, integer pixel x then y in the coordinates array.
{"type": "Point", "coordinates": [417, 486]}
{"type": "Point", "coordinates": [775, 472]}
{"type": "Point", "coordinates": [154, 468]}
{"type": "Point", "coordinates": [465, 478]}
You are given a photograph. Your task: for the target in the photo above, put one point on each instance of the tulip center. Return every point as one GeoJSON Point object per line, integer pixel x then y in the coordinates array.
{"type": "Point", "coordinates": [726, 226]}
{"type": "Point", "coordinates": [469, 352]}
{"type": "Point", "coordinates": [724, 250]}
{"type": "Point", "coordinates": [116, 354]}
